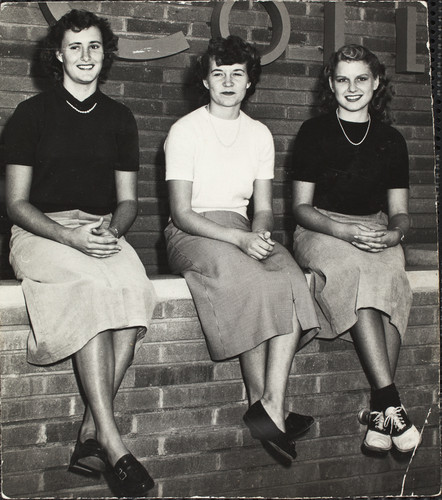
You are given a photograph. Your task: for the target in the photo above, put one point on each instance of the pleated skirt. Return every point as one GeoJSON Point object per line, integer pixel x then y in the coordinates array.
{"type": "Point", "coordinates": [71, 297]}
{"type": "Point", "coordinates": [346, 279]}
{"type": "Point", "coordinates": [241, 302]}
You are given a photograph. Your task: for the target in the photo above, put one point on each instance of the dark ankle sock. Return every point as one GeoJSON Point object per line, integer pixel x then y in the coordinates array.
{"type": "Point", "coordinates": [385, 397]}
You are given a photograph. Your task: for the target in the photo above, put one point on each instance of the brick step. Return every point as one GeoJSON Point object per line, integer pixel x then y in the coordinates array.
{"type": "Point", "coordinates": [181, 414]}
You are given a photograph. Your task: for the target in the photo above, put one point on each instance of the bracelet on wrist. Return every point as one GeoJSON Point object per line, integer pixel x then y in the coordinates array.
{"type": "Point", "coordinates": [114, 231]}
{"type": "Point", "coordinates": [400, 230]}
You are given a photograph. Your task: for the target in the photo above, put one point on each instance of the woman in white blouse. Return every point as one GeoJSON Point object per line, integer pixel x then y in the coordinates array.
{"type": "Point", "coordinates": [251, 296]}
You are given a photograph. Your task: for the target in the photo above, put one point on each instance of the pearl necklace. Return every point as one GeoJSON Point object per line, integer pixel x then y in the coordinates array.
{"type": "Point", "coordinates": [79, 110]}
{"type": "Point", "coordinates": [216, 133]}
{"type": "Point", "coordinates": [346, 136]}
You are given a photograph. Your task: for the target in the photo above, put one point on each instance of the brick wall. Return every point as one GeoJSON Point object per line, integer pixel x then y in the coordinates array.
{"type": "Point", "coordinates": [159, 92]}
{"type": "Point", "coordinates": [181, 414]}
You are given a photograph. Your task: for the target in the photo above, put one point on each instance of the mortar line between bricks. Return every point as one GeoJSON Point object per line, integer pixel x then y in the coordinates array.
{"type": "Point", "coordinates": [175, 319]}
{"type": "Point", "coordinates": [173, 342]}
{"type": "Point", "coordinates": [166, 458]}
{"type": "Point", "coordinates": [125, 390]}
{"type": "Point", "coordinates": [35, 374]}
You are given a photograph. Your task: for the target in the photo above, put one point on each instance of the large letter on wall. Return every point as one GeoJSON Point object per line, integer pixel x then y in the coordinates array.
{"type": "Point", "coordinates": [334, 23]}
{"type": "Point", "coordinates": [279, 17]}
{"type": "Point", "coordinates": [406, 41]}
{"type": "Point", "coordinates": [141, 50]}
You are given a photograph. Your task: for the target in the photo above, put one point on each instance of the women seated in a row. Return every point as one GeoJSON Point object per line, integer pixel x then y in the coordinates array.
{"type": "Point", "coordinates": [72, 157]}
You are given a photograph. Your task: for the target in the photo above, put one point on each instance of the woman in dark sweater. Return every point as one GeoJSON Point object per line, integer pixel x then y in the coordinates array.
{"type": "Point", "coordinates": [72, 161]}
{"type": "Point", "coordinates": [350, 201]}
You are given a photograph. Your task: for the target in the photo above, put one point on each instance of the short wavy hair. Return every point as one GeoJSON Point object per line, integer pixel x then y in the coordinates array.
{"type": "Point", "coordinates": [379, 105]}
{"type": "Point", "coordinates": [228, 51]}
{"type": "Point", "coordinates": [77, 20]}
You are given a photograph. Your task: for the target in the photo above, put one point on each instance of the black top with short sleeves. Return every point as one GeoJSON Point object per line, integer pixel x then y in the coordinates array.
{"type": "Point", "coordinates": [350, 179]}
{"type": "Point", "coordinates": [74, 155]}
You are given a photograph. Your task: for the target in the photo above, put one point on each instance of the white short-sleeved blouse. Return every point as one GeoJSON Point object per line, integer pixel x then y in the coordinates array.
{"type": "Point", "coordinates": [222, 158]}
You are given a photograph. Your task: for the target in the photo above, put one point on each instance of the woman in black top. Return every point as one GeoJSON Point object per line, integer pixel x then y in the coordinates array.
{"type": "Point", "coordinates": [71, 183]}
{"type": "Point", "coordinates": [350, 171]}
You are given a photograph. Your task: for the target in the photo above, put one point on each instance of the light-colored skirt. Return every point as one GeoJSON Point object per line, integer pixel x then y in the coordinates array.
{"type": "Point", "coordinates": [241, 302]}
{"type": "Point", "coordinates": [346, 279]}
{"type": "Point", "coordinates": [71, 297]}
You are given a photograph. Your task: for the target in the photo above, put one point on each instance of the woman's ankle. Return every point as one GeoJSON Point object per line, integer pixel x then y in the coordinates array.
{"type": "Point", "coordinates": [384, 397]}
{"type": "Point", "coordinates": [86, 432]}
{"type": "Point", "coordinates": [276, 412]}
{"type": "Point", "coordinates": [87, 428]}
{"type": "Point", "coordinates": [114, 447]}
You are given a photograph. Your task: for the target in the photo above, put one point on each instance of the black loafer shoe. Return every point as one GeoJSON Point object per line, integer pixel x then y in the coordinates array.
{"type": "Point", "coordinates": [262, 427]}
{"type": "Point", "coordinates": [88, 458]}
{"type": "Point", "coordinates": [133, 478]}
{"type": "Point", "coordinates": [296, 424]}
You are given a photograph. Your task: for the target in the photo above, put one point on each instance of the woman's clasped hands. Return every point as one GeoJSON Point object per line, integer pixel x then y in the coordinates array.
{"type": "Point", "coordinates": [370, 239]}
{"type": "Point", "coordinates": [94, 240]}
{"type": "Point", "coordinates": [257, 244]}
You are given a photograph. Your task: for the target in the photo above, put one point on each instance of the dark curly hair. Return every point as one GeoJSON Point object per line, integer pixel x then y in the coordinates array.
{"type": "Point", "coordinates": [227, 51]}
{"type": "Point", "coordinates": [378, 106]}
{"type": "Point", "coordinates": [77, 20]}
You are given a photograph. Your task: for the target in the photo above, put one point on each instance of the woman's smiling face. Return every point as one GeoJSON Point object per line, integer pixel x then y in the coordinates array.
{"type": "Point", "coordinates": [353, 85]}
{"type": "Point", "coordinates": [82, 56]}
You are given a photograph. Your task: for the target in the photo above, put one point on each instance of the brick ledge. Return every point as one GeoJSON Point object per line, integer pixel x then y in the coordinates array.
{"type": "Point", "coordinates": [170, 287]}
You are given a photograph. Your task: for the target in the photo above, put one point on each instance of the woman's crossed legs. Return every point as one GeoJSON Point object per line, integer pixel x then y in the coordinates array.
{"type": "Point", "coordinates": [377, 343]}
{"type": "Point", "coordinates": [266, 369]}
{"type": "Point", "coordinates": [102, 364]}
